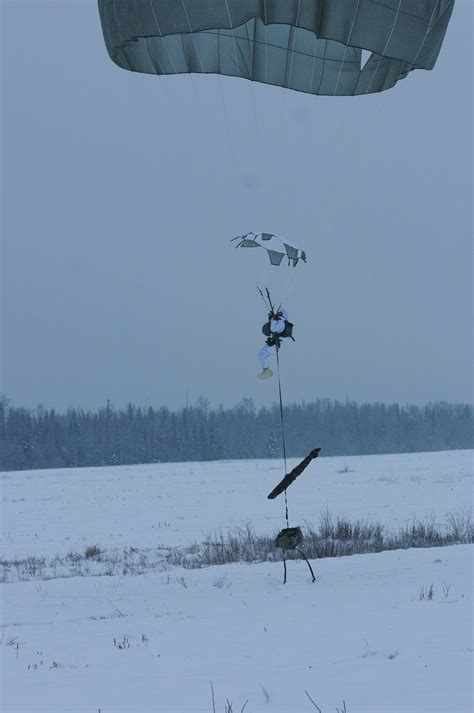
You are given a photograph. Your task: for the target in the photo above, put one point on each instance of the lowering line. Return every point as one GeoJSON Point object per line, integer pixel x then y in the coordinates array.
{"type": "Point", "coordinates": [282, 429]}
{"type": "Point", "coordinates": [291, 537]}
{"type": "Point", "coordinates": [268, 303]}
{"type": "Point", "coordinates": [290, 533]}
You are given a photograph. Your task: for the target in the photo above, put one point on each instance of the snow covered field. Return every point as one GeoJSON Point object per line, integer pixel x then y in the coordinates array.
{"type": "Point", "coordinates": [368, 631]}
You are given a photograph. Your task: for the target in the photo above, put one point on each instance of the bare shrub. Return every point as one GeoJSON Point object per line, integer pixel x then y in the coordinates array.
{"type": "Point", "coordinates": [220, 582]}
{"type": "Point", "coordinates": [446, 590]}
{"type": "Point", "coordinates": [421, 534]}
{"type": "Point", "coordinates": [426, 593]}
{"type": "Point", "coordinates": [122, 643]}
{"type": "Point", "coordinates": [334, 537]}
{"type": "Point", "coordinates": [93, 561]}
{"type": "Point", "coordinates": [461, 526]}
{"type": "Point", "coordinates": [92, 552]}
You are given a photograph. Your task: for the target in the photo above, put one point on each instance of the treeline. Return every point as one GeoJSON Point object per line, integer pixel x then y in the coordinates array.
{"type": "Point", "coordinates": [43, 438]}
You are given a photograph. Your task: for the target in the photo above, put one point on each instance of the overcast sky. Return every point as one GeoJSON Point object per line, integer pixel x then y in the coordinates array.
{"type": "Point", "coordinates": [122, 191]}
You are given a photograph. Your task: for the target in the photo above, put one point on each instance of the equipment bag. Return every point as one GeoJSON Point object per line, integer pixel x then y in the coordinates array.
{"type": "Point", "coordinates": [288, 332]}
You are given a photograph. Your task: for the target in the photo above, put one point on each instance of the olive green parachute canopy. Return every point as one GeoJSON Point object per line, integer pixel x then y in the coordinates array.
{"type": "Point", "coordinates": [312, 46]}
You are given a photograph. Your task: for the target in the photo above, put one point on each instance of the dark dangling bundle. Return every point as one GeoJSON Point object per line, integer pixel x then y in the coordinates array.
{"type": "Point", "coordinates": [288, 539]}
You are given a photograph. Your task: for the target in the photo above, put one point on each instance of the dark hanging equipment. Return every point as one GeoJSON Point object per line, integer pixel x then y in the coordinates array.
{"type": "Point", "coordinates": [297, 470]}
{"type": "Point", "coordinates": [288, 539]}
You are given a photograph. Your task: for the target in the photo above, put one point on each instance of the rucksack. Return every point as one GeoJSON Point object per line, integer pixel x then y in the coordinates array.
{"type": "Point", "coordinates": [288, 331]}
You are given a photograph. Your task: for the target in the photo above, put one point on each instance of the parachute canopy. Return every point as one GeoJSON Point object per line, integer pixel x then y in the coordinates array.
{"type": "Point", "coordinates": [312, 46]}
{"type": "Point", "coordinates": [276, 247]}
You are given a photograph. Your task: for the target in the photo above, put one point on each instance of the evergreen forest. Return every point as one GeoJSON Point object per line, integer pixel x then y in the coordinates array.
{"type": "Point", "coordinates": [44, 438]}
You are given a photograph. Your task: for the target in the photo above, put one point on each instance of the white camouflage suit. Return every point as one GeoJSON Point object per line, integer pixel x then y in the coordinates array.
{"type": "Point", "coordinates": [277, 326]}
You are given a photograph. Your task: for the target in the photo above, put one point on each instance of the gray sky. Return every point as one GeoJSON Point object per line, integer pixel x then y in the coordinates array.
{"type": "Point", "coordinates": [121, 193]}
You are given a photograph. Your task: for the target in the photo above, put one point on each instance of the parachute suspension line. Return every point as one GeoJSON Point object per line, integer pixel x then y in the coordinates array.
{"type": "Point", "coordinates": [226, 116]}
{"type": "Point", "coordinates": [293, 32]}
{"type": "Point", "coordinates": [290, 52]}
{"type": "Point", "coordinates": [288, 290]}
{"type": "Point", "coordinates": [230, 144]}
{"type": "Point", "coordinates": [386, 46]}
{"type": "Point", "coordinates": [155, 61]}
{"type": "Point", "coordinates": [257, 127]}
{"type": "Point", "coordinates": [192, 35]}
{"type": "Point", "coordinates": [227, 127]}
{"type": "Point", "coordinates": [346, 46]}
{"type": "Point", "coordinates": [269, 299]}
{"type": "Point", "coordinates": [282, 431]}
{"type": "Point", "coordinates": [254, 102]}
{"type": "Point", "coordinates": [263, 298]}
{"type": "Point", "coordinates": [170, 57]}
{"type": "Point", "coordinates": [233, 37]}
{"type": "Point", "coordinates": [282, 90]}
{"type": "Point", "coordinates": [287, 285]}
{"type": "Point", "coordinates": [197, 52]}
{"type": "Point", "coordinates": [159, 67]}
{"type": "Point", "coordinates": [265, 64]}
{"type": "Point", "coordinates": [257, 131]}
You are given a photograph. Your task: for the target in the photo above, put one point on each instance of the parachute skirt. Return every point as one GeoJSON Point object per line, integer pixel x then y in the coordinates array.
{"type": "Point", "coordinates": [312, 46]}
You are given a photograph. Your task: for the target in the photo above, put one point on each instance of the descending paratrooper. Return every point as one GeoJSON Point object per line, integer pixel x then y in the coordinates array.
{"type": "Point", "coordinates": [276, 329]}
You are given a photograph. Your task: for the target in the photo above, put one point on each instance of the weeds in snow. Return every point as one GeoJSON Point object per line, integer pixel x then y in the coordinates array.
{"type": "Point", "coordinates": [93, 561]}
{"type": "Point", "coordinates": [446, 589]}
{"type": "Point", "coordinates": [338, 710]}
{"type": "Point", "coordinates": [123, 644]}
{"type": "Point", "coordinates": [461, 526]}
{"type": "Point", "coordinates": [333, 537]}
{"type": "Point", "coordinates": [8, 642]}
{"type": "Point", "coordinates": [265, 693]}
{"type": "Point", "coordinates": [13, 642]}
{"type": "Point", "coordinates": [228, 708]}
{"type": "Point", "coordinates": [221, 581]}
{"type": "Point", "coordinates": [92, 552]}
{"type": "Point", "coordinates": [426, 593]}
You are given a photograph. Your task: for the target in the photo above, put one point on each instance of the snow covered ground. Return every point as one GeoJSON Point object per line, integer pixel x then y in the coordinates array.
{"type": "Point", "coordinates": [55, 511]}
{"type": "Point", "coordinates": [390, 632]}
